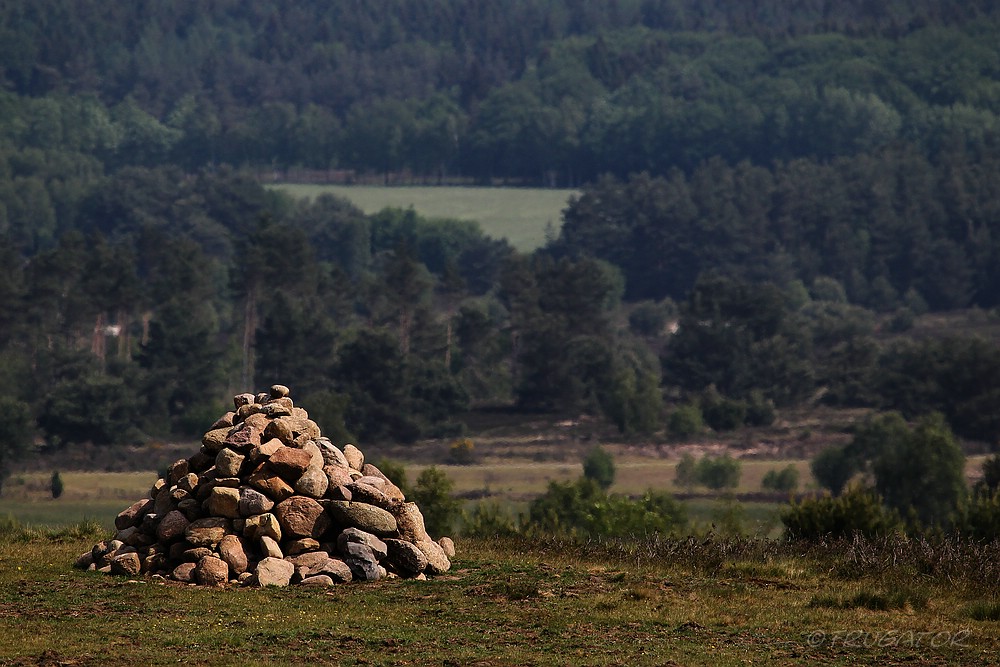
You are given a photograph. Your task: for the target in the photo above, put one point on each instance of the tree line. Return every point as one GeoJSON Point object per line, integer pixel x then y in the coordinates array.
{"type": "Point", "coordinates": [542, 91]}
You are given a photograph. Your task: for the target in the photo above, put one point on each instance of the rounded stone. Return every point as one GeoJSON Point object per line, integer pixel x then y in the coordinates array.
{"type": "Point", "coordinates": [212, 571]}
{"type": "Point", "coordinates": [368, 518]}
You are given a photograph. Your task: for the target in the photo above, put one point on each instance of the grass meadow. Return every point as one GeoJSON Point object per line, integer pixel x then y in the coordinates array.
{"type": "Point", "coordinates": [520, 215]}
{"type": "Point", "coordinates": [710, 599]}
{"type": "Point", "coordinates": [648, 601]}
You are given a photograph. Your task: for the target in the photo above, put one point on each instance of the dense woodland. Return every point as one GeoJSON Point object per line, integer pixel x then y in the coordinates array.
{"type": "Point", "coordinates": [767, 190]}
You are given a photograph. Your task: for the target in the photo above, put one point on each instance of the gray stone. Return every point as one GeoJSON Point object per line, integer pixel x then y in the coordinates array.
{"type": "Point", "coordinates": [405, 557]}
{"type": "Point", "coordinates": [195, 554]}
{"type": "Point", "coordinates": [437, 561]}
{"type": "Point", "coordinates": [228, 463]}
{"type": "Point", "coordinates": [313, 483]}
{"type": "Point", "coordinates": [410, 522]}
{"type": "Point", "coordinates": [366, 493]}
{"type": "Point", "coordinates": [207, 532]}
{"type": "Point", "coordinates": [368, 518]}
{"type": "Point", "coordinates": [377, 546]}
{"type": "Point", "coordinates": [253, 502]}
{"type": "Point", "coordinates": [332, 456]}
{"type": "Point", "coordinates": [274, 572]}
{"type": "Point", "coordinates": [270, 548]}
{"type": "Point", "coordinates": [133, 515]}
{"type": "Point", "coordinates": [172, 526]}
{"type": "Point", "coordinates": [320, 580]}
{"type": "Point", "coordinates": [387, 487]}
{"type": "Point", "coordinates": [448, 546]}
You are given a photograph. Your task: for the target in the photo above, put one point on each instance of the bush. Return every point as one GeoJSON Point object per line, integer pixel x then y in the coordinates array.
{"type": "Point", "coordinates": [760, 410]}
{"type": "Point", "coordinates": [488, 519]}
{"type": "Point", "coordinates": [980, 520]}
{"type": "Point", "coordinates": [685, 422]}
{"type": "Point", "coordinates": [56, 484]}
{"type": "Point", "coordinates": [583, 509]}
{"type": "Point", "coordinates": [686, 473]}
{"type": "Point", "coordinates": [599, 466]}
{"type": "Point", "coordinates": [785, 480]}
{"type": "Point", "coordinates": [433, 494]}
{"type": "Point", "coordinates": [833, 468]}
{"type": "Point", "coordinates": [721, 413]}
{"type": "Point", "coordinates": [462, 452]}
{"type": "Point", "coordinates": [857, 511]}
{"type": "Point", "coordinates": [719, 473]}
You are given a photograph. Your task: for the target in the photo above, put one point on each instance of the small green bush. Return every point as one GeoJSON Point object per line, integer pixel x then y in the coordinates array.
{"type": "Point", "coordinates": [685, 422]}
{"type": "Point", "coordinates": [432, 494]}
{"type": "Point", "coordinates": [56, 484]}
{"type": "Point", "coordinates": [857, 511]}
{"type": "Point", "coordinates": [785, 480]}
{"type": "Point", "coordinates": [719, 473]}
{"type": "Point", "coordinates": [600, 467]}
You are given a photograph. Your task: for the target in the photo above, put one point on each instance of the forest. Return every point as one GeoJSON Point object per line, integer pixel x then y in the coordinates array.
{"type": "Point", "coordinates": [770, 193]}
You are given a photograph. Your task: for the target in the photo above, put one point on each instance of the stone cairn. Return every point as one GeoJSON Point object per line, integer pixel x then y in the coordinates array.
{"type": "Point", "coordinates": [269, 501]}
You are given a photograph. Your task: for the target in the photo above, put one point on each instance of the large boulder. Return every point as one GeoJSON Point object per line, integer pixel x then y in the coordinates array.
{"type": "Point", "coordinates": [368, 518]}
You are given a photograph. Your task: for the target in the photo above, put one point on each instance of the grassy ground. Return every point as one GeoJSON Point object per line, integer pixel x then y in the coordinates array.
{"type": "Point", "coordinates": [653, 602]}
{"type": "Point", "coordinates": [519, 215]}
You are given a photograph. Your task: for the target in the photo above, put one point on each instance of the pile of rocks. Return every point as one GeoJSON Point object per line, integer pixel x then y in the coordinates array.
{"type": "Point", "coordinates": [269, 501]}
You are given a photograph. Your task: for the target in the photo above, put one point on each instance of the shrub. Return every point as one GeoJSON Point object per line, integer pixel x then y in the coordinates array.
{"type": "Point", "coordinates": [760, 410]}
{"type": "Point", "coordinates": [980, 520]}
{"type": "Point", "coordinates": [686, 473]}
{"type": "Point", "coordinates": [785, 480]}
{"type": "Point", "coordinates": [685, 422]}
{"type": "Point", "coordinates": [833, 468]}
{"type": "Point", "coordinates": [462, 452]}
{"type": "Point", "coordinates": [599, 466]}
{"type": "Point", "coordinates": [857, 511]}
{"type": "Point", "coordinates": [582, 509]}
{"type": "Point", "coordinates": [56, 484]}
{"type": "Point", "coordinates": [723, 414]}
{"type": "Point", "coordinates": [488, 519]}
{"type": "Point", "coordinates": [433, 494]}
{"type": "Point", "coordinates": [718, 473]}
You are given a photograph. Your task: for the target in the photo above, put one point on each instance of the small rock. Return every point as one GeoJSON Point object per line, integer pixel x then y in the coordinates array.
{"type": "Point", "coordinates": [133, 515]}
{"type": "Point", "coordinates": [301, 516]}
{"type": "Point", "coordinates": [126, 565]}
{"type": "Point", "coordinates": [172, 526]}
{"type": "Point", "coordinates": [215, 440]}
{"type": "Point", "coordinates": [354, 457]}
{"type": "Point", "coordinates": [290, 462]}
{"type": "Point", "coordinates": [339, 493]}
{"type": "Point", "coordinates": [368, 518]}
{"type": "Point", "coordinates": [320, 580]}
{"type": "Point", "coordinates": [300, 546]}
{"type": "Point", "coordinates": [233, 549]}
{"type": "Point", "coordinates": [253, 502]}
{"type": "Point", "coordinates": [313, 483]}
{"type": "Point", "coordinates": [225, 421]}
{"type": "Point", "coordinates": [212, 571]}
{"type": "Point", "coordinates": [410, 522]}
{"type": "Point", "coordinates": [239, 400]}
{"type": "Point", "coordinates": [437, 561]}
{"type": "Point", "coordinates": [366, 493]}
{"type": "Point", "coordinates": [224, 502]}
{"type": "Point", "coordinates": [184, 572]}
{"type": "Point", "coordinates": [270, 548]}
{"type": "Point", "coordinates": [406, 557]}
{"type": "Point", "coordinates": [337, 475]}
{"type": "Point", "coordinates": [377, 546]}
{"type": "Point", "coordinates": [207, 532]}
{"type": "Point", "coordinates": [262, 525]}
{"type": "Point", "coordinates": [280, 430]}
{"type": "Point", "coordinates": [274, 572]}
{"type": "Point", "coordinates": [279, 391]}
{"type": "Point", "coordinates": [269, 482]}
{"type": "Point", "coordinates": [332, 456]}
{"type": "Point", "coordinates": [448, 546]}
{"type": "Point", "coordinates": [228, 463]}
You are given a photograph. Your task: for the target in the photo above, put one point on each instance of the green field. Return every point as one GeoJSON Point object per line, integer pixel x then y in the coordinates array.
{"type": "Point", "coordinates": [519, 215]}
{"type": "Point", "coordinates": [650, 601]}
